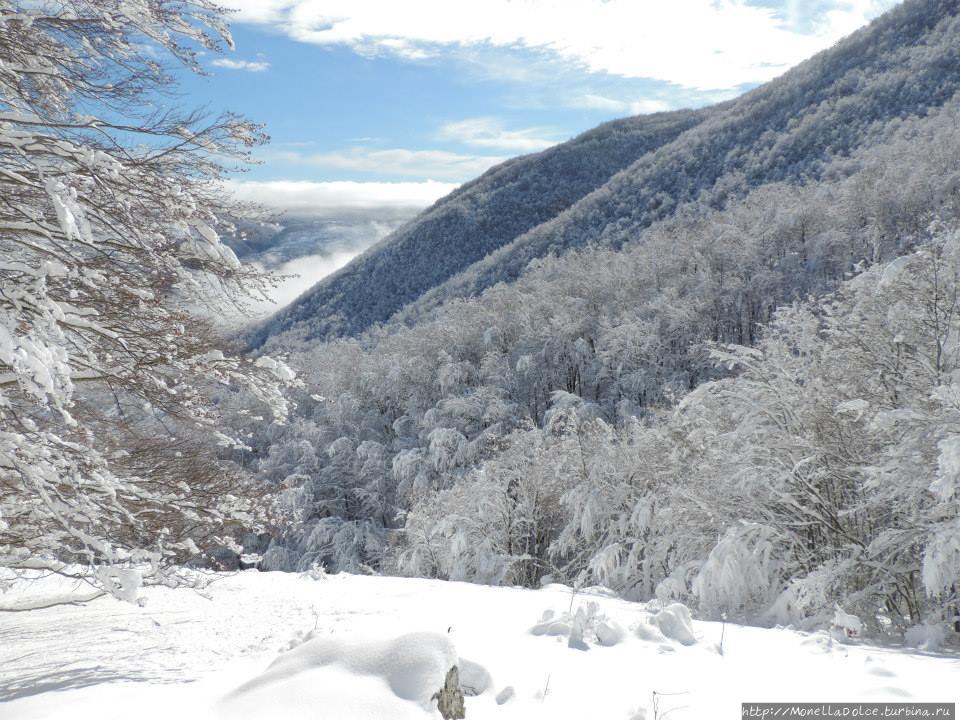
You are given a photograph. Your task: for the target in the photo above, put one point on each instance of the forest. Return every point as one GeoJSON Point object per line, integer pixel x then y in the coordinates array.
{"type": "Point", "coordinates": [726, 413]}
{"type": "Point", "coordinates": [707, 356]}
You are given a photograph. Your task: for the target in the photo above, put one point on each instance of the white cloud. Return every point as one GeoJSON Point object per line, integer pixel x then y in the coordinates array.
{"type": "Point", "coordinates": [627, 107]}
{"type": "Point", "coordinates": [697, 44]}
{"type": "Point", "coordinates": [248, 65]}
{"type": "Point", "coordinates": [335, 198]}
{"type": "Point", "coordinates": [303, 273]}
{"type": "Point", "coordinates": [432, 164]}
{"type": "Point", "coordinates": [840, 16]}
{"type": "Point", "coordinates": [489, 132]}
{"type": "Point", "coordinates": [353, 215]}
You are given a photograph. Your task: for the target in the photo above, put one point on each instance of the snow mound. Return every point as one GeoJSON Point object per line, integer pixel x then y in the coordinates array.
{"type": "Point", "coordinates": [474, 677]}
{"type": "Point", "coordinates": [183, 656]}
{"type": "Point", "coordinates": [674, 622]}
{"type": "Point", "coordinates": [848, 625]}
{"type": "Point", "coordinates": [584, 627]}
{"type": "Point", "coordinates": [926, 637]}
{"type": "Point", "coordinates": [393, 678]}
{"type": "Point", "coordinates": [646, 630]}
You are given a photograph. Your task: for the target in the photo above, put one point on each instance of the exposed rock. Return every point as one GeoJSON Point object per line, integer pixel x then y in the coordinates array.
{"type": "Point", "coordinates": [450, 697]}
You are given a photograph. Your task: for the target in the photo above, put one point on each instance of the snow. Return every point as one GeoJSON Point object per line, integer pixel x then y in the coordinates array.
{"type": "Point", "coordinates": [123, 584]}
{"type": "Point", "coordinates": [941, 557]}
{"type": "Point", "coordinates": [849, 624]}
{"type": "Point", "coordinates": [675, 623]}
{"type": "Point", "coordinates": [926, 637]}
{"type": "Point", "coordinates": [856, 408]}
{"type": "Point", "coordinates": [378, 674]}
{"type": "Point", "coordinates": [279, 645]}
{"type": "Point", "coordinates": [948, 468]}
{"type": "Point", "coordinates": [280, 369]}
{"type": "Point", "coordinates": [893, 271]}
{"type": "Point", "coordinates": [582, 627]}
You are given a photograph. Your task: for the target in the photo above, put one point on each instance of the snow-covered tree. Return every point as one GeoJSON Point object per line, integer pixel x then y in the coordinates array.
{"type": "Point", "coordinates": [109, 266]}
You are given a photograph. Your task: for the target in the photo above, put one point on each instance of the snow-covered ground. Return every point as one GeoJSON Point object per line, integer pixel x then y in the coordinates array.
{"type": "Point", "coordinates": [275, 645]}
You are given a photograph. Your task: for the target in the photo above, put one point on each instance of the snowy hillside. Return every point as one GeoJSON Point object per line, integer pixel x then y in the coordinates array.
{"type": "Point", "coordinates": [647, 169]}
{"type": "Point", "coordinates": [653, 423]}
{"type": "Point", "coordinates": [473, 221]}
{"type": "Point", "coordinates": [287, 646]}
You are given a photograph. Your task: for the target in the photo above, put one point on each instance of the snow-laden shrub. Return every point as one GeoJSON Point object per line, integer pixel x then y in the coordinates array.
{"type": "Point", "coordinates": [582, 627]}
{"type": "Point", "coordinates": [929, 637]}
{"type": "Point", "coordinates": [675, 623]}
{"type": "Point", "coordinates": [316, 571]}
{"type": "Point", "coordinates": [941, 559]}
{"type": "Point", "coordinates": [741, 574]}
{"type": "Point", "coordinates": [808, 602]}
{"type": "Point", "coordinates": [496, 525]}
{"type": "Point", "coordinates": [352, 546]}
{"type": "Point", "coordinates": [846, 624]}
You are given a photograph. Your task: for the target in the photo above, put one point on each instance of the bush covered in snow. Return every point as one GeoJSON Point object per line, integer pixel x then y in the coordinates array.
{"type": "Point", "coordinates": [112, 391]}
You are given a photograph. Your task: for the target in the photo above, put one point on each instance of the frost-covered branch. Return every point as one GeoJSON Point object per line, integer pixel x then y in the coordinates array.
{"type": "Point", "coordinates": [110, 247]}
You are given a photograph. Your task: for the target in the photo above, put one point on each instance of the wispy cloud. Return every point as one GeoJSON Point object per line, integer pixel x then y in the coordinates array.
{"type": "Point", "coordinates": [303, 273]}
{"type": "Point", "coordinates": [817, 16]}
{"type": "Point", "coordinates": [331, 199]}
{"type": "Point", "coordinates": [424, 164]}
{"type": "Point", "coordinates": [490, 132]}
{"type": "Point", "coordinates": [642, 106]}
{"type": "Point", "coordinates": [338, 242]}
{"type": "Point", "coordinates": [247, 65]}
{"type": "Point", "coordinates": [698, 44]}
{"type": "Point", "coordinates": [352, 216]}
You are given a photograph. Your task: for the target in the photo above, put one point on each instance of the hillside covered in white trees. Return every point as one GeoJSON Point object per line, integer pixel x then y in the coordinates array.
{"type": "Point", "coordinates": [607, 186]}
{"type": "Point", "coordinates": [745, 406]}
{"type": "Point", "coordinates": [683, 391]}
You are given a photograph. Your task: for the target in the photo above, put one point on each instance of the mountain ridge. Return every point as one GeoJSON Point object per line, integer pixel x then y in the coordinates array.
{"type": "Point", "coordinates": [901, 65]}
{"type": "Point", "coordinates": [586, 162]}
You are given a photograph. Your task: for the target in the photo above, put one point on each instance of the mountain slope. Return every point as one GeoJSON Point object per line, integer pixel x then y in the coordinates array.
{"type": "Point", "coordinates": [903, 64]}
{"type": "Point", "coordinates": [471, 222]}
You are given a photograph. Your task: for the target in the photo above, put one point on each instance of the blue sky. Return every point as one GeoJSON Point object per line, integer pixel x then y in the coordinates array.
{"type": "Point", "coordinates": [397, 102]}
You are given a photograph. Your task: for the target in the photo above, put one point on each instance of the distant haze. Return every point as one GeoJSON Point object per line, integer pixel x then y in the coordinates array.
{"type": "Point", "coordinates": [306, 270]}
{"type": "Point", "coordinates": [336, 199]}
{"type": "Point", "coordinates": [322, 226]}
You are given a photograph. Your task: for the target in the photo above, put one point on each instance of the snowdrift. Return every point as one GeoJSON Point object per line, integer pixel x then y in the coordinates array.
{"type": "Point", "coordinates": [282, 646]}
{"type": "Point", "coordinates": [348, 678]}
